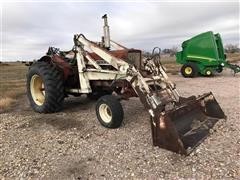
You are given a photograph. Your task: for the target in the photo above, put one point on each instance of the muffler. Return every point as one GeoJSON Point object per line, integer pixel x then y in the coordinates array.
{"type": "Point", "coordinates": [183, 128]}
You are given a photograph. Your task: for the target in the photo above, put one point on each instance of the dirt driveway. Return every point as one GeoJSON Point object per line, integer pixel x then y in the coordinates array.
{"type": "Point", "coordinates": [73, 145]}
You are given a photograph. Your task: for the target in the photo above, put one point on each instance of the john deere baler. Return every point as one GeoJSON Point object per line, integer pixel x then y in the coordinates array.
{"type": "Point", "coordinates": [204, 55]}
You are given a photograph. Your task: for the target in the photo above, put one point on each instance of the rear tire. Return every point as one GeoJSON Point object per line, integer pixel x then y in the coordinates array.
{"type": "Point", "coordinates": [189, 70]}
{"type": "Point", "coordinates": [45, 88]}
{"type": "Point", "coordinates": [109, 111]}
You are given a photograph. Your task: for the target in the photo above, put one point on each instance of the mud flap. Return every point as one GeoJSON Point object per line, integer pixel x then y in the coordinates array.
{"type": "Point", "coordinates": [183, 128]}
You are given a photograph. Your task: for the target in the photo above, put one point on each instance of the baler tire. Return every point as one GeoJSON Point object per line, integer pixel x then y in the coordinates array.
{"type": "Point", "coordinates": [208, 72]}
{"type": "Point", "coordinates": [53, 87]}
{"type": "Point", "coordinates": [194, 70]}
{"type": "Point", "coordinates": [109, 111]}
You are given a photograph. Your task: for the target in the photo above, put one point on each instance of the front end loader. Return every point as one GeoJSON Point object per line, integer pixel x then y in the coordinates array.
{"type": "Point", "coordinates": [110, 72]}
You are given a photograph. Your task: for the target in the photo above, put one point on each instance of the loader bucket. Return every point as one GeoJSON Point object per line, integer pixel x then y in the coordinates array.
{"type": "Point", "coordinates": [182, 129]}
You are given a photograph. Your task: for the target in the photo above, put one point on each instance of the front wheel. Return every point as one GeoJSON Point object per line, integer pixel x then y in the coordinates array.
{"type": "Point", "coordinates": [208, 72]}
{"type": "Point", "coordinates": [109, 111]}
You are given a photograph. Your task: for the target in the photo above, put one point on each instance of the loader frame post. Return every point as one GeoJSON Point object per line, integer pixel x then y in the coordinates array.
{"type": "Point", "coordinates": [83, 79]}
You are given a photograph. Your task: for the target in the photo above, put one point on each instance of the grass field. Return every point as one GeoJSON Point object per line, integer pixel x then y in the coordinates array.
{"type": "Point", "coordinates": [13, 78]}
{"type": "Point", "coordinates": [12, 83]}
{"type": "Point", "coordinates": [233, 57]}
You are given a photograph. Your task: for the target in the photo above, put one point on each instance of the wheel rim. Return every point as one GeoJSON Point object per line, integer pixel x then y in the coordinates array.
{"type": "Point", "coordinates": [37, 89]}
{"type": "Point", "coordinates": [105, 113]}
{"type": "Point", "coordinates": [208, 72]}
{"type": "Point", "coordinates": [188, 70]}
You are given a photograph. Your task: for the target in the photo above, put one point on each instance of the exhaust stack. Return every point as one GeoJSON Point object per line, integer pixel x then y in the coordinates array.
{"type": "Point", "coordinates": [106, 38]}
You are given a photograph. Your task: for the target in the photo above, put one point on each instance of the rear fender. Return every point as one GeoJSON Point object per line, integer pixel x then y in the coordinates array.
{"type": "Point", "coordinates": [60, 63]}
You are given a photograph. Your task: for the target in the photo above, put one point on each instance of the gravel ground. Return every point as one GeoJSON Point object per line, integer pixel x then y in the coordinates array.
{"type": "Point", "coordinates": [73, 145]}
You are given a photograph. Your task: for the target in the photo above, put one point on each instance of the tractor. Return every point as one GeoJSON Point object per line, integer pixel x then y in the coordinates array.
{"type": "Point", "coordinates": [109, 72]}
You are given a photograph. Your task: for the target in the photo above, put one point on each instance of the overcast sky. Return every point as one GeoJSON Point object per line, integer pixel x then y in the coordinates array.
{"type": "Point", "coordinates": [28, 28]}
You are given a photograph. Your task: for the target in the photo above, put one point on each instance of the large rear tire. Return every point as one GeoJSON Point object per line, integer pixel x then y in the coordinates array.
{"type": "Point", "coordinates": [109, 111]}
{"type": "Point", "coordinates": [189, 70]}
{"type": "Point", "coordinates": [45, 89]}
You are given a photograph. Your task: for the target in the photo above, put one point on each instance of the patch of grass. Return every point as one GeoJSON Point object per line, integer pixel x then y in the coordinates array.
{"type": "Point", "coordinates": [5, 103]}
{"type": "Point", "coordinates": [170, 64]}
{"type": "Point", "coordinates": [12, 83]}
{"type": "Point", "coordinates": [233, 57]}
{"type": "Point", "coordinates": [4, 64]}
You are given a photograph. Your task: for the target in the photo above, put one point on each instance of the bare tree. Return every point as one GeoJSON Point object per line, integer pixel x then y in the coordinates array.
{"type": "Point", "coordinates": [146, 54]}
{"type": "Point", "coordinates": [230, 48]}
{"type": "Point", "coordinates": [173, 50]}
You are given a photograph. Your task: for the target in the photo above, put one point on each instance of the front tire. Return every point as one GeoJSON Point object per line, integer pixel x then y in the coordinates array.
{"type": "Point", "coordinates": [109, 111]}
{"type": "Point", "coordinates": [208, 72]}
{"type": "Point", "coordinates": [45, 88]}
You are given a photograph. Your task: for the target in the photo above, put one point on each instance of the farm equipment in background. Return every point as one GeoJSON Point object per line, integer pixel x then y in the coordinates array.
{"type": "Point", "coordinates": [94, 68]}
{"type": "Point", "coordinates": [204, 55]}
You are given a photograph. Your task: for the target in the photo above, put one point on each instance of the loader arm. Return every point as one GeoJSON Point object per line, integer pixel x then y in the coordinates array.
{"type": "Point", "coordinates": [115, 62]}
{"type": "Point", "coordinates": [178, 124]}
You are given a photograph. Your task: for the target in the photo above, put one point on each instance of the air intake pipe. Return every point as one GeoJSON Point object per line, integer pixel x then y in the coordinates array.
{"type": "Point", "coordinates": [106, 38]}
